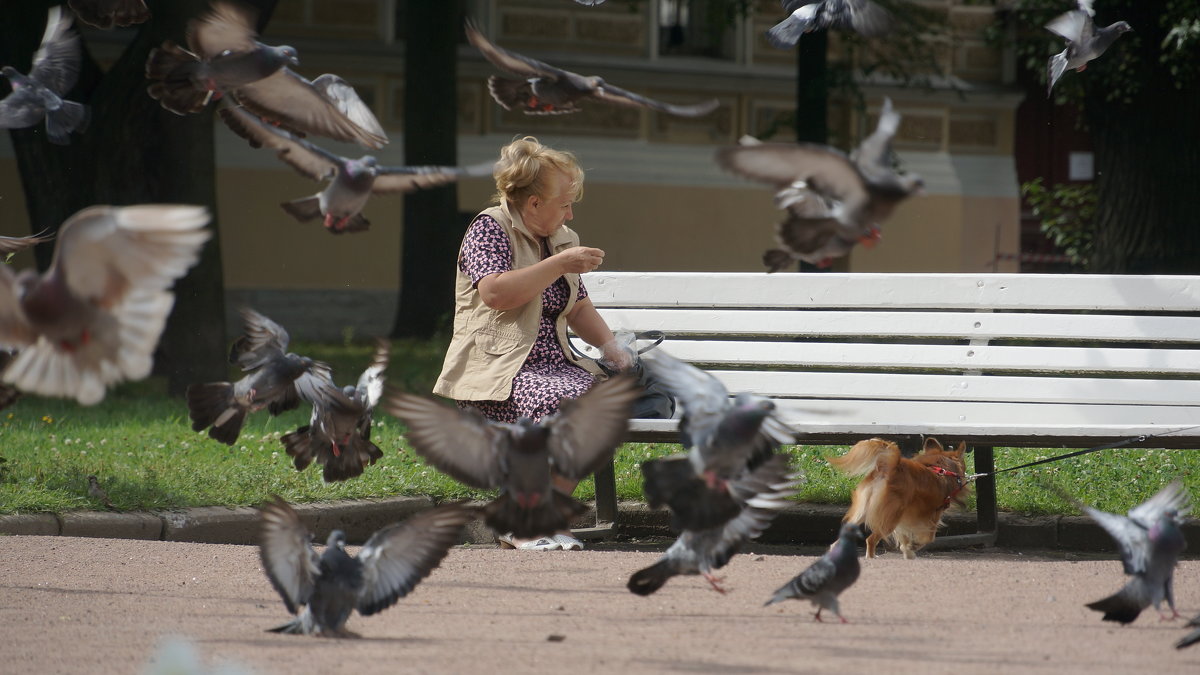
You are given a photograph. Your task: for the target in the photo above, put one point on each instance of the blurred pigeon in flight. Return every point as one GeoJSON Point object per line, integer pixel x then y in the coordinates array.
{"type": "Point", "coordinates": [725, 439]}
{"type": "Point", "coordinates": [95, 316]}
{"type": "Point", "coordinates": [1192, 637]}
{"type": "Point", "coordinates": [804, 16]}
{"type": "Point", "coordinates": [823, 581]}
{"type": "Point", "coordinates": [40, 94]}
{"type": "Point", "coordinates": [9, 245]}
{"type": "Point", "coordinates": [702, 551]}
{"type": "Point", "coordinates": [546, 90]}
{"type": "Point", "coordinates": [351, 181]}
{"type": "Point", "coordinates": [339, 434]}
{"type": "Point", "coordinates": [275, 379]}
{"type": "Point", "coordinates": [1084, 41]}
{"type": "Point", "coordinates": [832, 200]}
{"type": "Point", "coordinates": [521, 459]}
{"type": "Point", "coordinates": [322, 590]}
{"type": "Point", "coordinates": [1150, 542]}
{"type": "Point", "coordinates": [104, 14]}
{"type": "Point", "coordinates": [225, 57]}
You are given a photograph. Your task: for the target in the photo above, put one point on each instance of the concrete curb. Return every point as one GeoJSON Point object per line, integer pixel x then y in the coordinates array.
{"type": "Point", "coordinates": [807, 524]}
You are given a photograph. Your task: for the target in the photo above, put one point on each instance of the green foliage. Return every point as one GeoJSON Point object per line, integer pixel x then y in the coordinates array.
{"type": "Point", "coordinates": [1067, 212]}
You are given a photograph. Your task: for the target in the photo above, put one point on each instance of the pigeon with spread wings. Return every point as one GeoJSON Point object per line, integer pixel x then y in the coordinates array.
{"type": "Point", "coordinates": [1085, 41]}
{"type": "Point", "coordinates": [546, 90]}
{"type": "Point", "coordinates": [520, 459]}
{"type": "Point", "coordinates": [40, 94]}
{"type": "Point", "coordinates": [804, 16]}
{"type": "Point", "coordinates": [351, 181]}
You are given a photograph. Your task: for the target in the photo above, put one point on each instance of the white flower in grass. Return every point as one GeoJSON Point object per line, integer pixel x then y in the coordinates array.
{"type": "Point", "coordinates": [66, 441]}
{"type": "Point", "coordinates": [83, 452]}
{"type": "Point", "coordinates": [103, 441]}
{"type": "Point", "coordinates": [162, 446]}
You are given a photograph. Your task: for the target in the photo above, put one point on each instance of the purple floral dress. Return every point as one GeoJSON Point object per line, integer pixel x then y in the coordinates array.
{"type": "Point", "coordinates": [546, 378]}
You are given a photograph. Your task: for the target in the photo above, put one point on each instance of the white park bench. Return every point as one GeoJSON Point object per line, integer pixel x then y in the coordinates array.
{"type": "Point", "coordinates": [996, 360]}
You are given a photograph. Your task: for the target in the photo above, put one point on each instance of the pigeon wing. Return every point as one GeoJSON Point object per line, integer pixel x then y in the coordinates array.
{"type": "Point", "coordinates": [818, 575]}
{"type": "Point", "coordinates": [1070, 25]}
{"type": "Point", "coordinates": [871, 155]}
{"type": "Point", "coordinates": [512, 62]}
{"type": "Point", "coordinates": [227, 27]}
{"type": "Point", "coordinates": [867, 18]}
{"type": "Point", "coordinates": [262, 340]}
{"type": "Point", "coordinates": [823, 169]}
{"type": "Point", "coordinates": [396, 558]}
{"type": "Point", "coordinates": [308, 159]}
{"type": "Point", "coordinates": [369, 388]}
{"type": "Point", "coordinates": [392, 179]}
{"type": "Point", "coordinates": [294, 103]}
{"type": "Point", "coordinates": [287, 554]}
{"type": "Point", "coordinates": [614, 94]}
{"type": "Point", "coordinates": [20, 109]}
{"type": "Point", "coordinates": [1131, 538]}
{"type": "Point", "coordinates": [13, 244]}
{"type": "Point", "coordinates": [586, 431]}
{"type": "Point", "coordinates": [705, 400]}
{"type": "Point", "coordinates": [56, 62]}
{"type": "Point", "coordinates": [461, 443]}
{"type": "Point", "coordinates": [346, 99]}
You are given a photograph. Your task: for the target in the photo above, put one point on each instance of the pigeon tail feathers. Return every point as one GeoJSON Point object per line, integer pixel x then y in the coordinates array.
{"type": "Point", "coordinates": [504, 515]}
{"type": "Point", "coordinates": [649, 580]}
{"type": "Point", "coordinates": [70, 117]}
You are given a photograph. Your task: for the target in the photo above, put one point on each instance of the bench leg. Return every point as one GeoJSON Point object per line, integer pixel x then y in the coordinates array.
{"type": "Point", "coordinates": [606, 493]}
{"type": "Point", "coordinates": [985, 488]}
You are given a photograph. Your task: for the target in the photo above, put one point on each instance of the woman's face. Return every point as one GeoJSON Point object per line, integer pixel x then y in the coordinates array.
{"type": "Point", "coordinates": [543, 215]}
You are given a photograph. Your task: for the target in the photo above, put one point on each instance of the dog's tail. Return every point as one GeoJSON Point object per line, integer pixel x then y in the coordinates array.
{"type": "Point", "coordinates": [874, 454]}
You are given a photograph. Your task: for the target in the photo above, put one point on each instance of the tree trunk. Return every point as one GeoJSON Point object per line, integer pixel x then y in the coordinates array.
{"type": "Point", "coordinates": [432, 226]}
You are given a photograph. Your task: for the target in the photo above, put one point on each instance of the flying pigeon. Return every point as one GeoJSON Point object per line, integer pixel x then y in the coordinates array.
{"type": "Point", "coordinates": [520, 459]}
{"type": "Point", "coordinates": [1192, 637]}
{"type": "Point", "coordinates": [804, 16]}
{"type": "Point", "coordinates": [1084, 41]}
{"type": "Point", "coordinates": [702, 551]}
{"type": "Point", "coordinates": [276, 380]}
{"type": "Point", "coordinates": [329, 586]}
{"type": "Point", "coordinates": [40, 94]}
{"type": "Point", "coordinates": [10, 245]}
{"type": "Point", "coordinates": [725, 439]}
{"type": "Point", "coordinates": [351, 181]}
{"type": "Point", "coordinates": [104, 14]}
{"type": "Point", "coordinates": [825, 579]}
{"type": "Point", "coordinates": [95, 316]}
{"type": "Point", "coordinates": [832, 200]}
{"type": "Point", "coordinates": [546, 90]}
{"type": "Point", "coordinates": [225, 57]}
{"type": "Point", "coordinates": [339, 433]}
{"type": "Point", "coordinates": [1150, 542]}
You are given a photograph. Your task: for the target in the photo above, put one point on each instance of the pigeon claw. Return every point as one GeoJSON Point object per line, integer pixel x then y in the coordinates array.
{"type": "Point", "coordinates": [715, 582]}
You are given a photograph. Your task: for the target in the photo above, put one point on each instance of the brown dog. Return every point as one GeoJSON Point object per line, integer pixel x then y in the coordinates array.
{"type": "Point", "coordinates": [902, 499]}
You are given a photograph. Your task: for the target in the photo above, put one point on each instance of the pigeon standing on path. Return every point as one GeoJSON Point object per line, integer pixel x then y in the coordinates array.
{"type": "Point", "coordinates": [546, 90]}
{"type": "Point", "coordinates": [333, 584]}
{"type": "Point", "coordinates": [861, 16]}
{"type": "Point", "coordinates": [95, 316]}
{"type": "Point", "coordinates": [825, 579]}
{"type": "Point", "coordinates": [40, 94]}
{"type": "Point", "coordinates": [1084, 41]}
{"type": "Point", "coordinates": [521, 459]}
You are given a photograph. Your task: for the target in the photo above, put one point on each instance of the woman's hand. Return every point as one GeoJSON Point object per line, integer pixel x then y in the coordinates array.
{"type": "Point", "coordinates": [579, 259]}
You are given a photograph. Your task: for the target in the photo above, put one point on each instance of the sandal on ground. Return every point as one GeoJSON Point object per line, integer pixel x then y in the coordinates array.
{"type": "Point", "coordinates": [539, 544]}
{"type": "Point", "coordinates": [568, 542]}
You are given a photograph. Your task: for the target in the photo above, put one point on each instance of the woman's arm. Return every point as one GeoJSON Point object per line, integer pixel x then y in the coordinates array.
{"type": "Point", "coordinates": [589, 325]}
{"type": "Point", "coordinates": [507, 290]}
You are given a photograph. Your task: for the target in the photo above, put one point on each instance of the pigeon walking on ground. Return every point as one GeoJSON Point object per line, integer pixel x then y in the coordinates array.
{"type": "Point", "coordinates": [104, 14]}
{"type": "Point", "coordinates": [825, 579]}
{"type": "Point", "coordinates": [224, 57]}
{"type": "Point", "coordinates": [546, 90]}
{"type": "Point", "coordinates": [833, 201]}
{"type": "Point", "coordinates": [1085, 41]}
{"type": "Point", "coordinates": [804, 16]}
{"type": "Point", "coordinates": [275, 379]}
{"type": "Point", "coordinates": [322, 590]}
{"type": "Point", "coordinates": [521, 459]}
{"type": "Point", "coordinates": [725, 438]}
{"type": "Point", "coordinates": [351, 181]}
{"type": "Point", "coordinates": [95, 316]}
{"type": "Point", "coordinates": [1192, 637]}
{"type": "Point", "coordinates": [9, 245]}
{"type": "Point", "coordinates": [703, 551]}
{"type": "Point", "coordinates": [1150, 542]}
{"type": "Point", "coordinates": [40, 94]}
{"type": "Point", "coordinates": [338, 436]}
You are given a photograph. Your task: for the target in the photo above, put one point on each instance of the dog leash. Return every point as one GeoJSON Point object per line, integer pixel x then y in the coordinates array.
{"type": "Point", "coordinates": [1098, 448]}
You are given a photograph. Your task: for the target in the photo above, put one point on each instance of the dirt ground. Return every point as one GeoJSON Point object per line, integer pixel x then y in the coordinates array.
{"type": "Point", "coordinates": [104, 606]}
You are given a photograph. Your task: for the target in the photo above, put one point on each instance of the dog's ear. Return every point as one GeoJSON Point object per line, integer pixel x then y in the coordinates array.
{"type": "Point", "coordinates": [932, 444]}
{"type": "Point", "coordinates": [961, 449]}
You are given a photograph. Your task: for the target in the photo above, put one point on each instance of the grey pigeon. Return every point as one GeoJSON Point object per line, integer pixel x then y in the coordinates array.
{"type": "Point", "coordinates": [702, 551]}
{"type": "Point", "coordinates": [338, 436]}
{"type": "Point", "coordinates": [546, 90]}
{"type": "Point", "coordinates": [725, 438]}
{"type": "Point", "coordinates": [832, 201]}
{"type": "Point", "coordinates": [1084, 41]}
{"type": "Point", "coordinates": [804, 16]}
{"type": "Point", "coordinates": [322, 590]}
{"type": "Point", "coordinates": [40, 94]}
{"type": "Point", "coordinates": [1150, 542]}
{"type": "Point", "coordinates": [104, 14]}
{"type": "Point", "coordinates": [823, 581]}
{"type": "Point", "coordinates": [351, 181]}
{"type": "Point", "coordinates": [520, 459]}
{"type": "Point", "coordinates": [95, 316]}
{"type": "Point", "coordinates": [10, 245]}
{"type": "Point", "coordinates": [275, 379]}
{"type": "Point", "coordinates": [97, 492]}
{"type": "Point", "coordinates": [224, 57]}
{"type": "Point", "coordinates": [1192, 637]}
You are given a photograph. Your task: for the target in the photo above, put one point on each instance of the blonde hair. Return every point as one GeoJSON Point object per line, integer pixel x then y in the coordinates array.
{"type": "Point", "coordinates": [523, 167]}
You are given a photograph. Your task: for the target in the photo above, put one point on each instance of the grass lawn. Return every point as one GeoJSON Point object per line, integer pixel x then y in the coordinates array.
{"type": "Point", "coordinates": [140, 444]}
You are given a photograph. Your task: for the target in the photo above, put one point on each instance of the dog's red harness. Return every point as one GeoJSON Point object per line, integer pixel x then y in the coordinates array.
{"type": "Point", "coordinates": [946, 472]}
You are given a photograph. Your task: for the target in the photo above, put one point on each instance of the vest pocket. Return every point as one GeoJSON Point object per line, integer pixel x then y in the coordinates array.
{"type": "Point", "coordinates": [496, 342]}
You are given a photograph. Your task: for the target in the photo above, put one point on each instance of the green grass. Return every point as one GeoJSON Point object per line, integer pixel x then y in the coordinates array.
{"type": "Point", "coordinates": [139, 442]}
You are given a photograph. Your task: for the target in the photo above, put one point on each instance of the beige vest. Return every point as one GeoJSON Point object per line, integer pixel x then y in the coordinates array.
{"type": "Point", "coordinates": [489, 346]}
